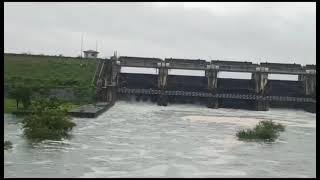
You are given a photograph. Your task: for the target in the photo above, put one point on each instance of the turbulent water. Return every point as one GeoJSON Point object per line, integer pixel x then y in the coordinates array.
{"type": "Point", "coordinates": [145, 140]}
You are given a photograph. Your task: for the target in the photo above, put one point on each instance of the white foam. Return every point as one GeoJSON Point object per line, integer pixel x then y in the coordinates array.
{"type": "Point", "coordinates": [240, 121]}
{"type": "Point", "coordinates": [154, 171]}
{"type": "Point", "coordinates": [273, 162]}
{"type": "Point", "coordinates": [84, 146]}
{"type": "Point", "coordinates": [209, 151]}
{"type": "Point", "coordinates": [87, 127]}
{"type": "Point", "coordinates": [222, 173]}
{"type": "Point", "coordinates": [231, 142]}
{"type": "Point", "coordinates": [42, 162]}
{"type": "Point", "coordinates": [281, 141]}
{"type": "Point", "coordinates": [244, 121]}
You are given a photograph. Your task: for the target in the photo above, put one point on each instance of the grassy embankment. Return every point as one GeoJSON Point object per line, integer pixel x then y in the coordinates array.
{"type": "Point", "coordinates": [10, 105]}
{"type": "Point", "coordinates": [42, 73]}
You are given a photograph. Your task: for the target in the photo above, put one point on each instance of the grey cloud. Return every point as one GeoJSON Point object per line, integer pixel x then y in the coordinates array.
{"type": "Point", "coordinates": [139, 29]}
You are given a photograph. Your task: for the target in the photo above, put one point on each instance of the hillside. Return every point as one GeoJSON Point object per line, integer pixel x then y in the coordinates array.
{"type": "Point", "coordinates": [47, 72]}
{"type": "Point", "coordinates": [36, 67]}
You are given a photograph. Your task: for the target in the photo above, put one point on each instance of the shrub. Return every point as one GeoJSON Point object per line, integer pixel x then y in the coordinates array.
{"type": "Point", "coordinates": [265, 130]}
{"type": "Point", "coordinates": [7, 145]}
{"type": "Point", "coordinates": [21, 94]}
{"type": "Point", "coordinates": [47, 121]}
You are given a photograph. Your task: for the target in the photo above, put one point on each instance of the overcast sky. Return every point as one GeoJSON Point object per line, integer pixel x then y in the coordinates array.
{"type": "Point", "coordinates": [273, 32]}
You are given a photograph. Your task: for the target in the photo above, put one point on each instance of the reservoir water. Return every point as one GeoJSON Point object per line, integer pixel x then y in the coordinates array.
{"type": "Point", "coordinates": [141, 139]}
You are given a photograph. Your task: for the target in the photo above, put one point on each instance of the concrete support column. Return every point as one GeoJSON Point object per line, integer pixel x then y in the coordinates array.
{"type": "Point", "coordinates": [115, 73]}
{"type": "Point", "coordinates": [309, 82]}
{"type": "Point", "coordinates": [162, 100]}
{"type": "Point", "coordinates": [212, 76]}
{"type": "Point", "coordinates": [261, 105]}
{"type": "Point", "coordinates": [102, 72]}
{"type": "Point", "coordinates": [213, 103]}
{"type": "Point", "coordinates": [111, 80]}
{"type": "Point", "coordinates": [110, 94]}
{"type": "Point", "coordinates": [162, 74]}
{"type": "Point", "coordinates": [260, 78]}
{"type": "Point", "coordinates": [310, 107]}
{"type": "Point", "coordinates": [301, 77]}
{"type": "Point", "coordinates": [162, 83]}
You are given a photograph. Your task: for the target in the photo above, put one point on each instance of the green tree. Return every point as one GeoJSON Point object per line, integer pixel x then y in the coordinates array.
{"type": "Point", "coordinates": [47, 121]}
{"type": "Point", "coordinates": [21, 94]}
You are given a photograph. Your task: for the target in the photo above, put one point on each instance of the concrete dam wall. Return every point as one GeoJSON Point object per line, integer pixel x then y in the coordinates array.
{"type": "Point", "coordinates": [258, 93]}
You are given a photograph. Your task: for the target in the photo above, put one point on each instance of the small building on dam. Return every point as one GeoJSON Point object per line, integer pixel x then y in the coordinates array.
{"type": "Point", "coordinates": [90, 54]}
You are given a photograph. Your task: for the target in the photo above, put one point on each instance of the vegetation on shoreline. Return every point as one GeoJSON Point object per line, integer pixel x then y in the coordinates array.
{"type": "Point", "coordinates": [48, 120]}
{"type": "Point", "coordinates": [10, 105]}
{"type": "Point", "coordinates": [21, 94]}
{"type": "Point", "coordinates": [41, 74]}
{"type": "Point", "coordinates": [265, 130]}
{"type": "Point", "coordinates": [30, 84]}
{"type": "Point", "coordinates": [7, 145]}
{"type": "Point", "coordinates": [48, 68]}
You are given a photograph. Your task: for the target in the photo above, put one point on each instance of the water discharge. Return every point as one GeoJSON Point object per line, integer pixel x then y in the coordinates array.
{"type": "Point", "coordinates": [145, 140]}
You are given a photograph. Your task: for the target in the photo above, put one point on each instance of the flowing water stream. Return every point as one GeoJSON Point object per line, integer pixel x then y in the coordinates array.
{"type": "Point", "coordinates": [141, 139]}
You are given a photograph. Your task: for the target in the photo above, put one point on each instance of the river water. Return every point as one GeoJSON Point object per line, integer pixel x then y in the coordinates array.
{"type": "Point", "coordinates": [141, 139]}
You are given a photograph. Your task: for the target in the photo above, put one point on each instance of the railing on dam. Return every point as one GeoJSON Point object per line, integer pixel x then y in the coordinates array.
{"type": "Point", "coordinates": [219, 96]}
{"type": "Point", "coordinates": [226, 66]}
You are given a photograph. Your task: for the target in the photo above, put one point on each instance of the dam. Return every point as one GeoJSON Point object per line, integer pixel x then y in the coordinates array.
{"type": "Point", "coordinates": [258, 93]}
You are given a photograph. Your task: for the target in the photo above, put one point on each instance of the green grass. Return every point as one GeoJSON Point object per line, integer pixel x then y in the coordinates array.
{"type": "Point", "coordinates": [42, 73]}
{"type": "Point", "coordinates": [265, 130]}
{"type": "Point", "coordinates": [10, 105]}
{"type": "Point", "coordinates": [33, 67]}
{"type": "Point", "coordinates": [69, 106]}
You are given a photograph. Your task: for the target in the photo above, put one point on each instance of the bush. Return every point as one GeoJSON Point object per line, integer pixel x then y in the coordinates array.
{"type": "Point", "coordinates": [265, 130]}
{"type": "Point", "coordinates": [47, 121]}
{"type": "Point", "coordinates": [7, 145]}
{"type": "Point", "coordinates": [21, 94]}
